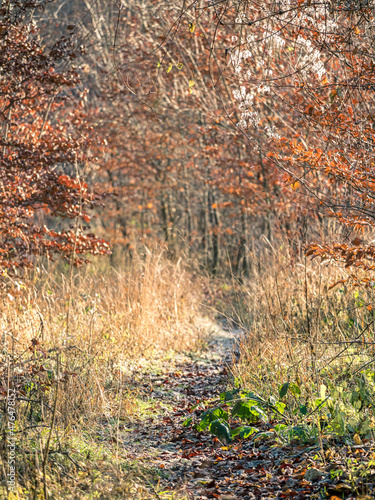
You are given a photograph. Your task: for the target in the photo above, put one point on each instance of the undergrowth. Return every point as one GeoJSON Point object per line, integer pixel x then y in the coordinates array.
{"type": "Point", "coordinates": [70, 347]}
{"type": "Point", "coordinates": [74, 343]}
{"type": "Point", "coordinates": [305, 352]}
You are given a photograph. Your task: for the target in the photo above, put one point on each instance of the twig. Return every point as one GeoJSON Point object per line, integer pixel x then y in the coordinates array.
{"type": "Point", "coordinates": [347, 347]}
{"type": "Point", "coordinates": [306, 450]}
{"type": "Point", "coordinates": [33, 401]}
{"type": "Point", "coordinates": [45, 458]}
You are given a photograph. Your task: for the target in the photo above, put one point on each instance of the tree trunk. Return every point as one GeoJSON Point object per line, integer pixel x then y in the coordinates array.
{"type": "Point", "coordinates": [215, 227]}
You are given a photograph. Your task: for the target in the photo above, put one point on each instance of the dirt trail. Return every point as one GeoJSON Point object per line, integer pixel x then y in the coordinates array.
{"type": "Point", "coordinates": [160, 442]}
{"type": "Point", "coordinates": [184, 464]}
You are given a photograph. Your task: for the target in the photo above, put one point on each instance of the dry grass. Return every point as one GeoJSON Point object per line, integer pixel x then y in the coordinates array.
{"type": "Point", "coordinates": [70, 347]}
{"type": "Point", "coordinates": [295, 324]}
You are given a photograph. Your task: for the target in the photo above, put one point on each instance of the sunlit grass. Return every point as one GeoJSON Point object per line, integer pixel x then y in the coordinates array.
{"type": "Point", "coordinates": [94, 337]}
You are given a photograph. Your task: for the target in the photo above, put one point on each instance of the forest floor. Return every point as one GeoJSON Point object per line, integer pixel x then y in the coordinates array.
{"type": "Point", "coordinates": [177, 462]}
{"type": "Point", "coordinates": [151, 402]}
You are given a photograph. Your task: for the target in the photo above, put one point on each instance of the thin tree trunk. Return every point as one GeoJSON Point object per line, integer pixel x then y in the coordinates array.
{"type": "Point", "coordinates": [188, 229]}
{"type": "Point", "coordinates": [242, 264]}
{"type": "Point", "coordinates": [215, 225]}
{"type": "Point", "coordinates": [165, 218]}
{"type": "Point", "coordinates": [245, 265]}
{"type": "Point", "coordinates": [206, 231]}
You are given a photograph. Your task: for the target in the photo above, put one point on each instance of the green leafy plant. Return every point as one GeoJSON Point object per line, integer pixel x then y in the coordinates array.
{"type": "Point", "coordinates": [337, 409]}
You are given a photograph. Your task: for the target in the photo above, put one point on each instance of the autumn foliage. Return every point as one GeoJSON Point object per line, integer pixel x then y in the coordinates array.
{"type": "Point", "coordinates": [218, 124]}
{"type": "Point", "coordinates": [305, 76]}
{"type": "Point", "coordinates": [45, 146]}
{"type": "Point", "coordinates": [182, 173]}
{"type": "Point", "coordinates": [236, 138]}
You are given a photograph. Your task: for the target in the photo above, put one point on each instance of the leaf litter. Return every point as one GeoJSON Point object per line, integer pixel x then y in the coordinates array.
{"type": "Point", "coordinates": [194, 464]}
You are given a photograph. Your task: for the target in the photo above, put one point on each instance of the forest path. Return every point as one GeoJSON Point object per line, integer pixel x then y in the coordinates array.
{"type": "Point", "coordinates": [157, 442]}
{"type": "Point", "coordinates": [176, 462]}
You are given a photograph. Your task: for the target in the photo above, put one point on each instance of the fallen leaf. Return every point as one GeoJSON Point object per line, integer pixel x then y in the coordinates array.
{"type": "Point", "coordinates": [357, 439]}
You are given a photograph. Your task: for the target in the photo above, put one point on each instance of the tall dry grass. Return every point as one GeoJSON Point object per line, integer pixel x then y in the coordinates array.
{"type": "Point", "coordinates": [296, 327]}
{"type": "Point", "coordinates": [69, 346]}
